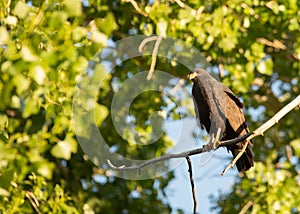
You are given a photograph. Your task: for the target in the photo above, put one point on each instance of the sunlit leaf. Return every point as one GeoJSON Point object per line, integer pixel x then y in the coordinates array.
{"type": "Point", "coordinates": [162, 26]}
{"type": "Point", "coordinates": [296, 146]}
{"type": "Point", "coordinates": [4, 36]}
{"type": "Point", "coordinates": [101, 113]}
{"type": "Point", "coordinates": [63, 149]}
{"type": "Point", "coordinates": [4, 192]}
{"type": "Point", "coordinates": [38, 74]}
{"type": "Point", "coordinates": [21, 9]}
{"type": "Point", "coordinates": [31, 107]}
{"type": "Point", "coordinates": [3, 122]}
{"type": "Point", "coordinates": [28, 54]}
{"type": "Point", "coordinates": [265, 66]}
{"type": "Point", "coordinates": [98, 37]}
{"type": "Point", "coordinates": [46, 170]}
{"type": "Point", "coordinates": [73, 7]}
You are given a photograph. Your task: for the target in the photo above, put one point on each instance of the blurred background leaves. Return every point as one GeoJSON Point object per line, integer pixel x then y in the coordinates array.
{"type": "Point", "coordinates": [44, 47]}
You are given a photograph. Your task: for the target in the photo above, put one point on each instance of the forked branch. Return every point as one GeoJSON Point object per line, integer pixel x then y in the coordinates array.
{"type": "Point", "coordinates": [192, 183]}
{"type": "Point", "coordinates": [158, 40]}
{"type": "Point", "coordinates": [259, 131]}
{"type": "Point", "coordinates": [264, 127]}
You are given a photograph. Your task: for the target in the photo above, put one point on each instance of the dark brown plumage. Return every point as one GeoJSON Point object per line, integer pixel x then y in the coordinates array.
{"type": "Point", "coordinates": [217, 107]}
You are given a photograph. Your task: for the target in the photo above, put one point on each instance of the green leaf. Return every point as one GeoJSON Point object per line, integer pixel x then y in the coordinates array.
{"type": "Point", "coordinates": [162, 26]}
{"type": "Point", "coordinates": [11, 20]}
{"type": "Point", "coordinates": [29, 54]}
{"type": "Point", "coordinates": [21, 82]}
{"type": "Point", "coordinates": [227, 43]}
{"type": "Point", "coordinates": [107, 24]}
{"type": "Point", "coordinates": [257, 50]}
{"type": "Point", "coordinates": [4, 192]}
{"type": "Point", "coordinates": [79, 33]}
{"type": "Point", "coordinates": [265, 66]}
{"type": "Point", "coordinates": [37, 73]}
{"type": "Point", "coordinates": [63, 149]}
{"type": "Point", "coordinates": [99, 37]}
{"type": "Point", "coordinates": [296, 146]}
{"type": "Point", "coordinates": [31, 107]}
{"type": "Point", "coordinates": [73, 7]}
{"type": "Point", "coordinates": [20, 9]}
{"type": "Point", "coordinates": [4, 36]}
{"type": "Point", "coordinates": [3, 121]}
{"type": "Point", "coordinates": [5, 179]}
{"type": "Point", "coordinates": [46, 170]}
{"type": "Point", "coordinates": [101, 113]}
{"type": "Point", "coordinates": [57, 20]}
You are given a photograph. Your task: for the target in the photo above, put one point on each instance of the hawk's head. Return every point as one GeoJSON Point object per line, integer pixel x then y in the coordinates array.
{"type": "Point", "coordinates": [196, 73]}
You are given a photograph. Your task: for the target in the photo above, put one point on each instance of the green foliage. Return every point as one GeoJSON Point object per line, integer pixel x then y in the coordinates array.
{"type": "Point", "coordinates": [44, 47]}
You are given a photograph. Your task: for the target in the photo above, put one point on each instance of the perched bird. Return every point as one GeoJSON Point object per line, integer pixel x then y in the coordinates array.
{"type": "Point", "coordinates": [217, 108]}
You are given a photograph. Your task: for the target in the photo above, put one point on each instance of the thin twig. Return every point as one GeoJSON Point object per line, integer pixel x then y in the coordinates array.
{"type": "Point", "coordinates": [289, 152]}
{"type": "Point", "coordinates": [181, 4]}
{"type": "Point", "coordinates": [275, 44]}
{"type": "Point", "coordinates": [136, 7]}
{"type": "Point", "coordinates": [192, 183]}
{"type": "Point", "coordinates": [178, 155]}
{"type": "Point", "coordinates": [154, 52]}
{"type": "Point", "coordinates": [286, 109]}
{"type": "Point", "coordinates": [236, 158]}
{"type": "Point", "coordinates": [193, 12]}
{"type": "Point", "coordinates": [248, 137]}
{"type": "Point", "coordinates": [221, 69]}
{"type": "Point", "coordinates": [145, 41]}
{"type": "Point", "coordinates": [154, 57]}
{"type": "Point", "coordinates": [176, 87]}
{"type": "Point", "coordinates": [33, 201]}
{"type": "Point", "coordinates": [260, 130]}
{"type": "Point", "coordinates": [155, 160]}
{"type": "Point", "coordinates": [246, 207]}
{"type": "Point", "coordinates": [8, 7]}
{"type": "Point", "coordinates": [234, 141]}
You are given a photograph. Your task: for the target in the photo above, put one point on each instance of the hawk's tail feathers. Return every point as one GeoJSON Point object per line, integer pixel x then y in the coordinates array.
{"type": "Point", "coordinates": [245, 162]}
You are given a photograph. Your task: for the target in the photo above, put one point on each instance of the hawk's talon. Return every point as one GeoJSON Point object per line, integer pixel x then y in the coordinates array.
{"type": "Point", "coordinates": [213, 143]}
{"type": "Point", "coordinates": [216, 144]}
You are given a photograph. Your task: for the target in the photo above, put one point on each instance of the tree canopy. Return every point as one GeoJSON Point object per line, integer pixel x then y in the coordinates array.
{"type": "Point", "coordinates": [46, 46]}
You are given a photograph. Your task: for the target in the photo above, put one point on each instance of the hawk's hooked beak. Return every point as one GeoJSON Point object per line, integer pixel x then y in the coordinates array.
{"type": "Point", "coordinates": [192, 75]}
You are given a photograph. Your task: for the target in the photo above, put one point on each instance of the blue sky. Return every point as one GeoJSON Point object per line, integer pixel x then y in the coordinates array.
{"type": "Point", "coordinates": [207, 168]}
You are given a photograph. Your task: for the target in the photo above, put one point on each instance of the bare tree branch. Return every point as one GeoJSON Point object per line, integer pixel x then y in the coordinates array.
{"type": "Point", "coordinates": [155, 160]}
{"type": "Point", "coordinates": [154, 52]}
{"type": "Point", "coordinates": [247, 137]}
{"type": "Point", "coordinates": [193, 12]}
{"type": "Point", "coordinates": [275, 44]}
{"type": "Point", "coordinates": [33, 201]}
{"type": "Point", "coordinates": [260, 130]}
{"type": "Point", "coordinates": [178, 155]}
{"type": "Point", "coordinates": [246, 207]}
{"type": "Point", "coordinates": [154, 57]}
{"type": "Point", "coordinates": [192, 183]}
{"type": "Point", "coordinates": [234, 141]}
{"type": "Point", "coordinates": [232, 163]}
{"type": "Point", "coordinates": [136, 7]}
{"type": "Point", "coordinates": [145, 41]}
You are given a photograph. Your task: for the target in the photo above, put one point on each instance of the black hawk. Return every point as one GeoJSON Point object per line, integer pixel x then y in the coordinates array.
{"type": "Point", "coordinates": [217, 108]}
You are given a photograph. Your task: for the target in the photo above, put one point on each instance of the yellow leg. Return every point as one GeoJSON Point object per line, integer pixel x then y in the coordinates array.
{"type": "Point", "coordinates": [213, 143]}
